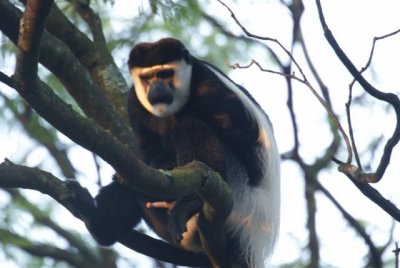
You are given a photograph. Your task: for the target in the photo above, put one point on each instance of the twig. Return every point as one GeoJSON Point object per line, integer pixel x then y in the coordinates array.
{"type": "Point", "coordinates": [303, 78]}
{"type": "Point", "coordinates": [244, 38]}
{"type": "Point", "coordinates": [97, 167]}
{"type": "Point", "coordinates": [314, 92]}
{"type": "Point", "coordinates": [386, 97]}
{"type": "Point", "coordinates": [348, 104]}
{"type": "Point", "coordinates": [396, 252]}
{"type": "Point", "coordinates": [374, 251]}
{"type": "Point", "coordinates": [265, 38]}
{"type": "Point", "coordinates": [376, 39]}
{"type": "Point", "coordinates": [322, 86]}
{"type": "Point", "coordinates": [92, 20]}
{"type": "Point", "coordinates": [350, 126]}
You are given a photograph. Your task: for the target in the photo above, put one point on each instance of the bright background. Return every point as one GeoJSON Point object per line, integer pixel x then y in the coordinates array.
{"type": "Point", "coordinates": [354, 24]}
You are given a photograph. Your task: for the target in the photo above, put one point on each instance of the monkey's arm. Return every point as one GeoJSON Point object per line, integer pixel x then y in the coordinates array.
{"type": "Point", "coordinates": [194, 140]}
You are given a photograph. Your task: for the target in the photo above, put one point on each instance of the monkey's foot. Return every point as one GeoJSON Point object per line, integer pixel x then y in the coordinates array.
{"type": "Point", "coordinates": [184, 209]}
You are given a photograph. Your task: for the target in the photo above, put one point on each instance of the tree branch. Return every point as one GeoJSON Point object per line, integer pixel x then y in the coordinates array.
{"type": "Point", "coordinates": [163, 185]}
{"type": "Point", "coordinates": [396, 253]}
{"type": "Point", "coordinates": [390, 98]}
{"type": "Point", "coordinates": [6, 80]}
{"type": "Point", "coordinates": [374, 252]}
{"type": "Point", "coordinates": [91, 137]}
{"type": "Point", "coordinates": [326, 106]}
{"type": "Point", "coordinates": [16, 176]}
{"type": "Point", "coordinates": [57, 57]}
{"type": "Point", "coordinates": [244, 38]}
{"type": "Point", "coordinates": [162, 251]}
{"type": "Point", "coordinates": [377, 198]}
{"type": "Point", "coordinates": [41, 249]}
{"type": "Point", "coordinates": [44, 136]}
{"type": "Point", "coordinates": [348, 104]}
{"type": "Point", "coordinates": [52, 108]}
{"type": "Point", "coordinates": [94, 56]}
{"type": "Point", "coordinates": [44, 219]}
{"type": "Point", "coordinates": [31, 29]}
{"type": "Point", "coordinates": [92, 20]}
{"type": "Point", "coordinates": [289, 75]}
{"type": "Point", "coordinates": [264, 38]}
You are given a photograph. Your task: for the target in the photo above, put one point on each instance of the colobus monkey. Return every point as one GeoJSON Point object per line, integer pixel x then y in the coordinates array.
{"type": "Point", "coordinates": [184, 109]}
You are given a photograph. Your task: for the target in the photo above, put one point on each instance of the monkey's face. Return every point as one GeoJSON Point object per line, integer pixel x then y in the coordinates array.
{"type": "Point", "coordinates": [163, 89]}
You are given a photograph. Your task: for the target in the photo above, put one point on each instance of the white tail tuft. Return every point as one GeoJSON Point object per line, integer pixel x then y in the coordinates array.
{"type": "Point", "coordinates": [254, 220]}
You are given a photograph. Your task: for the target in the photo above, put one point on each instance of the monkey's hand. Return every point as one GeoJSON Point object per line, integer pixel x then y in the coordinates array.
{"type": "Point", "coordinates": [161, 204]}
{"type": "Point", "coordinates": [180, 213]}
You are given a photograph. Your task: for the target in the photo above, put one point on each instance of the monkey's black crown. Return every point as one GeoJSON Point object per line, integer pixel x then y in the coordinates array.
{"type": "Point", "coordinates": [160, 52]}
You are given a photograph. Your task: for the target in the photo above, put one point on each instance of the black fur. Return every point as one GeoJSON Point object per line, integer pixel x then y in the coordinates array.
{"type": "Point", "coordinates": [164, 51]}
{"type": "Point", "coordinates": [217, 110]}
{"type": "Point", "coordinates": [213, 122]}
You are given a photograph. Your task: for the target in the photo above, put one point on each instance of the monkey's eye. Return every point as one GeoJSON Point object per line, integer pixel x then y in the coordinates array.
{"type": "Point", "coordinates": [146, 77]}
{"type": "Point", "coordinates": [166, 73]}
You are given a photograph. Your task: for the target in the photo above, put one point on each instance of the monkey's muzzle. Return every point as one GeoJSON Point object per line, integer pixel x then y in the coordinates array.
{"type": "Point", "coordinates": [160, 92]}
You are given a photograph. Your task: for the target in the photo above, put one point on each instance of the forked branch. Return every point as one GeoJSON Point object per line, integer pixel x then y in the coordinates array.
{"type": "Point", "coordinates": [390, 98]}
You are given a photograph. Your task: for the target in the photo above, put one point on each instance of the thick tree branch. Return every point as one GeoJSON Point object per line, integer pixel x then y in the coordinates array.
{"type": "Point", "coordinates": [94, 56]}
{"type": "Point", "coordinates": [162, 251]}
{"type": "Point", "coordinates": [57, 57]}
{"type": "Point", "coordinates": [15, 176]}
{"type": "Point", "coordinates": [6, 80]}
{"type": "Point", "coordinates": [377, 198]}
{"type": "Point", "coordinates": [170, 184]}
{"type": "Point", "coordinates": [30, 34]}
{"type": "Point", "coordinates": [88, 135]}
{"type": "Point", "coordinates": [47, 104]}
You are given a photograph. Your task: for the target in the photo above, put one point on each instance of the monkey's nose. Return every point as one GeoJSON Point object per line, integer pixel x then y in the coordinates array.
{"type": "Point", "coordinates": [160, 93]}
